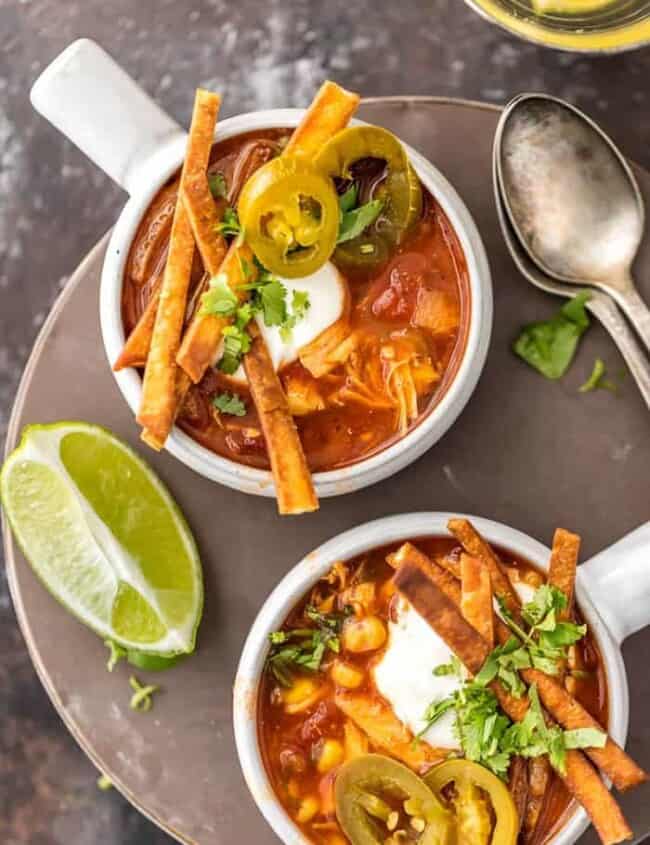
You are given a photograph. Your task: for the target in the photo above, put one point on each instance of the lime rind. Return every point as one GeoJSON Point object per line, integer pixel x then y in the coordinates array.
{"type": "Point", "coordinates": [40, 446]}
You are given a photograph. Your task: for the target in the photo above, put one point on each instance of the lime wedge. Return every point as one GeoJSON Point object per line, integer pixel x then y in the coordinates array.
{"type": "Point", "coordinates": [104, 535]}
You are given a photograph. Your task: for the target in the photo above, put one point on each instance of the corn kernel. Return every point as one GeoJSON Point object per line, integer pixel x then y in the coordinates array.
{"type": "Point", "coordinates": [366, 634]}
{"type": "Point", "coordinates": [346, 675]}
{"type": "Point", "coordinates": [308, 808]}
{"type": "Point", "coordinates": [392, 820]}
{"type": "Point", "coordinates": [331, 755]}
{"type": "Point", "coordinates": [301, 695]}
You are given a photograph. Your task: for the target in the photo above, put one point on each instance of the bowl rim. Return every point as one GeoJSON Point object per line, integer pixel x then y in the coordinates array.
{"type": "Point", "coordinates": [379, 465]}
{"type": "Point", "coordinates": [314, 565]}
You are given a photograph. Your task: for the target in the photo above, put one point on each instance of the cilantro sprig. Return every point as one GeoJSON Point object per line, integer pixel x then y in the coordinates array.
{"type": "Point", "coordinates": [487, 735]}
{"type": "Point", "coordinates": [229, 403]}
{"type": "Point", "coordinates": [267, 296]}
{"type": "Point", "coordinates": [304, 648]}
{"type": "Point", "coordinates": [550, 345]}
{"type": "Point", "coordinates": [355, 219]}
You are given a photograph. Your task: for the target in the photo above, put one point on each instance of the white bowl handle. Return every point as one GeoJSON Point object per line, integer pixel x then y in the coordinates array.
{"type": "Point", "coordinates": [101, 109]}
{"type": "Point", "coordinates": [618, 583]}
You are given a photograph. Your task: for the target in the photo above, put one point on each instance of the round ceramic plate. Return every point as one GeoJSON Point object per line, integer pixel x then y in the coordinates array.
{"type": "Point", "coordinates": [527, 452]}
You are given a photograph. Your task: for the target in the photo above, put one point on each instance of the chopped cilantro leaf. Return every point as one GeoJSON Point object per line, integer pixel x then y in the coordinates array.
{"type": "Point", "coordinates": [299, 306]}
{"type": "Point", "coordinates": [549, 345]}
{"type": "Point", "coordinates": [219, 299]}
{"type": "Point", "coordinates": [217, 185]}
{"type": "Point", "coordinates": [584, 738]}
{"type": "Point", "coordinates": [454, 667]}
{"type": "Point", "coordinates": [229, 403]}
{"type": "Point", "coordinates": [236, 343]}
{"type": "Point", "coordinates": [229, 226]}
{"type": "Point", "coordinates": [348, 200]}
{"type": "Point", "coordinates": [304, 648]}
{"type": "Point", "coordinates": [272, 298]}
{"type": "Point", "coordinates": [355, 221]}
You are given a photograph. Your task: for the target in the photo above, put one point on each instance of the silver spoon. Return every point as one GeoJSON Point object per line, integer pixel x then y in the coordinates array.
{"type": "Point", "coordinates": [599, 304]}
{"type": "Point", "coordinates": [572, 199]}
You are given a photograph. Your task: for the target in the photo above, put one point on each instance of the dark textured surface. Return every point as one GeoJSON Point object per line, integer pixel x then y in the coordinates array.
{"type": "Point", "coordinates": [54, 206]}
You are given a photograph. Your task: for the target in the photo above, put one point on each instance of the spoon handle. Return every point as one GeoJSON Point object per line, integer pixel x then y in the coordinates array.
{"type": "Point", "coordinates": [610, 316]}
{"type": "Point", "coordinates": [635, 309]}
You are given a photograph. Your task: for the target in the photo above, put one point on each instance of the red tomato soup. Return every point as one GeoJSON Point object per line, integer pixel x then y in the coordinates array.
{"type": "Point", "coordinates": [369, 378]}
{"type": "Point", "coordinates": [311, 722]}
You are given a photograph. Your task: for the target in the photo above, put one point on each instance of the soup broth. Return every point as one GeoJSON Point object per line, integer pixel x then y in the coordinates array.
{"type": "Point", "coordinates": [411, 307]}
{"type": "Point", "coordinates": [297, 729]}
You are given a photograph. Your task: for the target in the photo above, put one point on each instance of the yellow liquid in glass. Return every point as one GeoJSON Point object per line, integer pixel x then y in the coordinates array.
{"type": "Point", "coordinates": [580, 25]}
{"type": "Point", "coordinates": [569, 7]}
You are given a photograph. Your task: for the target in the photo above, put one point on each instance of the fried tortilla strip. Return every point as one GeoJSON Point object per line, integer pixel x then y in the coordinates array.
{"type": "Point", "coordinates": [136, 348]}
{"type": "Point", "coordinates": [562, 568]}
{"type": "Point", "coordinates": [384, 730]}
{"type": "Point", "coordinates": [538, 781]}
{"type": "Point", "coordinates": [408, 553]}
{"type": "Point", "coordinates": [450, 564]}
{"type": "Point", "coordinates": [477, 608]}
{"type": "Point", "coordinates": [570, 714]}
{"type": "Point", "coordinates": [475, 545]}
{"type": "Point", "coordinates": [476, 597]}
{"type": "Point", "coordinates": [196, 351]}
{"type": "Point", "coordinates": [329, 112]}
{"type": "Point", "coordinates": [158, 404]}
{"type": "Point", "coordinates": [205, 216]}
{"type": "Point", "coordinates": [293, 482]}
{"type": "Point", "coordinates": [582, 780]}
{"type": "Point", "coordinates": [201, 340]}
{"type": "Point", "coordinates": [518, 785]}
{"type": "Point", "coordinates": [612, 759]}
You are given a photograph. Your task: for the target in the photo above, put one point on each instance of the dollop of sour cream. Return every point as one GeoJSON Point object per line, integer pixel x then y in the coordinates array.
{"type": "Point", "coordinates": [327, 292]}
{"type": "Point", "coordinates": [404, 674]}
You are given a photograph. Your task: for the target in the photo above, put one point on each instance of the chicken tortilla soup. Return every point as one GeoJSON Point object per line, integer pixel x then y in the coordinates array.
{"type": "Point", "coordinates": [441, 692]}
{"type": "Point", "coordinates": [327, 301]}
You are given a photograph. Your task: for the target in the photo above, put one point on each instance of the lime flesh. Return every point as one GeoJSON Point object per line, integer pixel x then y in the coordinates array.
{"type": "Point", "coordinates": [105, 536]}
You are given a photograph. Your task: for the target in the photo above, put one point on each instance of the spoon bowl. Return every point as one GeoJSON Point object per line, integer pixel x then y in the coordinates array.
{"type": "Point", "coordinates": [571, 199]}
{"type": "Point", "coordinates": [598, 304]}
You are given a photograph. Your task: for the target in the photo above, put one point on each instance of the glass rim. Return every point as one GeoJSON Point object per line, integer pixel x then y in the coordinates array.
{"type": "Point", "coordinates": [609, 40]}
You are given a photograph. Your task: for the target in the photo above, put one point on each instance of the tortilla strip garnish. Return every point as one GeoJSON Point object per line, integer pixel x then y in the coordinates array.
{"type": "Point", "coordinates": [376, 719]}
{"type": "Point", "coordinates": [538, 780]}
{"type": "Point", "coordinates": [198, 348]}
{"type": "Point", "coordinates": [518, 785]}
{"type": "Point", "coordinates": [582, 780]}
{"type": "Point", "coordinates": [612, 759]}
{"type": "Point", "coordinates": [159, 398]}
{"type": "Point", "coordinates": [329, 112]}
{"type": "Point", "coordinates": [293, 482]}
{"type": "Point", "coordinates": [205, 215]}
{"type": "Point", "coordinates": [408, 553]}
{"type": "Point", "coordinates": [136, 347]}
{"type": "Point", "coordinates": [475, 545]}
{"type": "Point", "coordinates": [476, 597]}
{"type": "Point", "coordinates": [562, 568]}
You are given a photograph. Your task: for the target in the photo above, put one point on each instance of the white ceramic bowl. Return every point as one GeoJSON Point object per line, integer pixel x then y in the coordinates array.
{"type": "Point", "coordinates": [82, 93]}
{"type": "Point", "coordinates": [604, 581]}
